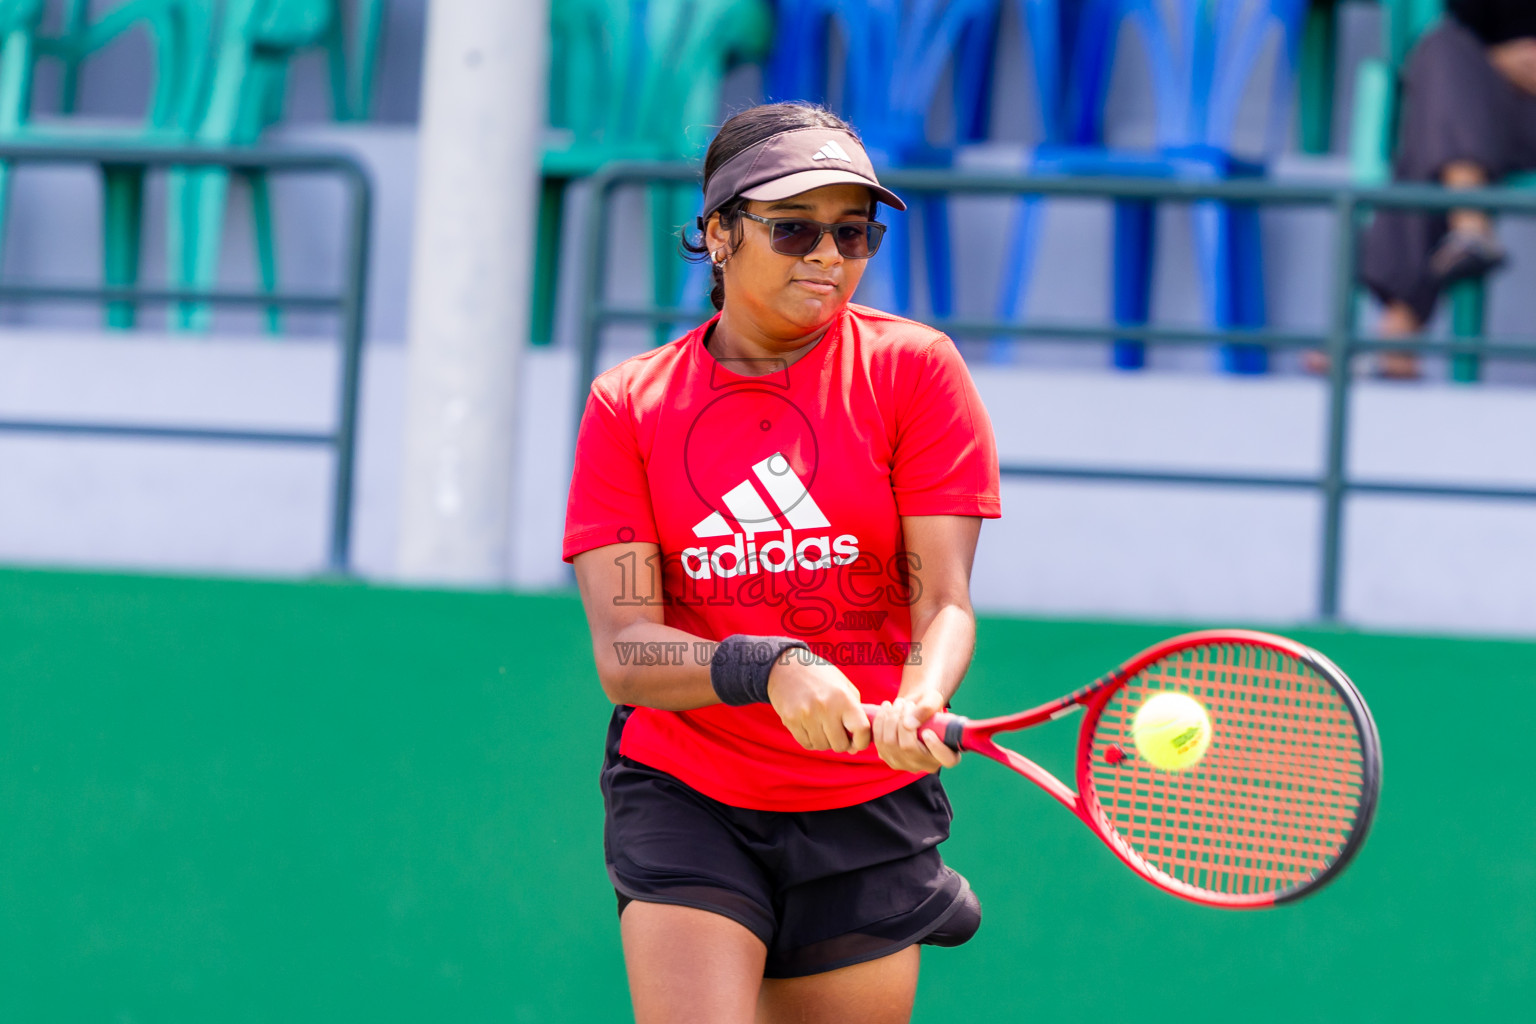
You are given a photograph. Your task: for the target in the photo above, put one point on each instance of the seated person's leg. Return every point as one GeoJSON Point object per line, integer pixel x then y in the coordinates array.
{"type": "Point", "coordinates": [1398, 320]}
{"type": "Point", "coordinates": [1457, 128]}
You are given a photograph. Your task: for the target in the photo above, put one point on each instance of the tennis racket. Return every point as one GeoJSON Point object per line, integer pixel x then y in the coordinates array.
{"type": "Point", "coordinates": [1277, 807]}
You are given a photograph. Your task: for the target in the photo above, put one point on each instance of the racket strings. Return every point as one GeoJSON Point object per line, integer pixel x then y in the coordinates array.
{"type": "Point", "coordinates": [1275, 797]}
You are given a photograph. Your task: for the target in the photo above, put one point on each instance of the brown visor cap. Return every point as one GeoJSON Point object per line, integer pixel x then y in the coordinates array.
{"type": "Point", "coordinates": [793, 162]}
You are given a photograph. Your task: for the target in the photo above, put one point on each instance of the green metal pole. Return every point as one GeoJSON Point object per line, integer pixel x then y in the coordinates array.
{"type": "Point", "coordinates": [354, 304]}
{"type": "Point", "coordinates": [1468, 322]}
{"type": "Point", "coordinates": [1340, 349]}
{"type": "Point", "coordinates": [594, 285]}
{"type": "Point", "coordinates": [122, 230]}
{"type": "Point", "coordinates": [1319, 48]}
{"type": "Point", "coordinates": [546, 269]}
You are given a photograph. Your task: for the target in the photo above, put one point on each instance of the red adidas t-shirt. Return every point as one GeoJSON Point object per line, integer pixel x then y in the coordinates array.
{"type": "Point", "coordinates": [775, 500]}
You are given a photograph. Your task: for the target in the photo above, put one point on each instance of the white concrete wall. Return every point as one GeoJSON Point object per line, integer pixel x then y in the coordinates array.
{"type": "Point", "coordinates": [1079, 549]}
{"type": "Point", "coordinates": [1115, 549]}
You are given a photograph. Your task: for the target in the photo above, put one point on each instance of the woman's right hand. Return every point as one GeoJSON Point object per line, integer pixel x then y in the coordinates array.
{"type": "Point", "coordinates": [817, 703]}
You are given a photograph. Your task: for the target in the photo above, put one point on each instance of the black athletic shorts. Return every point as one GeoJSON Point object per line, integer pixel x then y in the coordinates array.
{"type": "Point", "coordinates": [821, 889]}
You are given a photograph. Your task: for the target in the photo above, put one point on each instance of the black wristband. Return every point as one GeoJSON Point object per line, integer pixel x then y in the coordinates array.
{"type": "Point", "coordinates": [740, 667]}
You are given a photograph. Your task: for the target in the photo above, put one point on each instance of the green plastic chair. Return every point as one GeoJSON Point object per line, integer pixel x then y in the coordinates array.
{"type": "Point", "coordinates": [246, 87]}
{"type": "Point", "coordinates": [352, 95]}
{"type": "Point", "coordinates": [1404, 21]}
{"type": "Point", "coordinates": [1373, 140]}
{"type": "Point", "coordinates": [638, 80]}
{"type": "Point", "coordinates": [179, 35]}
{"type": "Point", "coordinates": [18, 31]}
{"type": "Point", "coordinates": [220, 77]}
{"type": "Point", "coordinates": [1314, 77]}
{"type": "Point", "coordinates": [352, 71]}
{"type": "Point", "coordinates": [352, 74]}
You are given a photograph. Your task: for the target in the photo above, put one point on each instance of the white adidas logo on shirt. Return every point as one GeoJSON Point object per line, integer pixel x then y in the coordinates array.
{"type": "Point", "coordinates": [789, 495]}
{"type": "Point", "coordinates": [832, 151]}
{"type": "Point", "coordinates": [787, 491]}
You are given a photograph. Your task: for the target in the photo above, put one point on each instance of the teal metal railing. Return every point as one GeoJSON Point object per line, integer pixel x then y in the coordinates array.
{"type": "Point", "coordinates": [347, 303]}
{"type": "Point", "coordinates": [1341, 339]}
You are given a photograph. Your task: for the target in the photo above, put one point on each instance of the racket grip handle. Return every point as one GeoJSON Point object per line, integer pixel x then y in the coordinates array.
{"type": "Point", "coordinates": [950, 728]}
{"type": "Point", "coordinates": [954, 729]}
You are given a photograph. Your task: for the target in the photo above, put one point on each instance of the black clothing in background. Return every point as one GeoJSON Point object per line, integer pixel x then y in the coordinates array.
{"type": "Point", "coordinates": [1456, 107]}
{"type": "Point", "coordinates": [1496, 21]}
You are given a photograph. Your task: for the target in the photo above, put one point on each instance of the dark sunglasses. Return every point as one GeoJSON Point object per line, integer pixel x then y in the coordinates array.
{"type": "Point", "coordinates": [797, 236]}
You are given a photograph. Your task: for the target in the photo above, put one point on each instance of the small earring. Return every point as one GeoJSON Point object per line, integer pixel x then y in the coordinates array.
{"type": "Point", "coordinates": [719, 256]}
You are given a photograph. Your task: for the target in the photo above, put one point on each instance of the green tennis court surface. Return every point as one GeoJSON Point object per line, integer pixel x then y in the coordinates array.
{"type": "Point", "coordinates": [228, 801]}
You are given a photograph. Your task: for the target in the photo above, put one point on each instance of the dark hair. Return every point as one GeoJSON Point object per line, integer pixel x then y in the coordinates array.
{"type": "Point", "coordinates": [741, 132]}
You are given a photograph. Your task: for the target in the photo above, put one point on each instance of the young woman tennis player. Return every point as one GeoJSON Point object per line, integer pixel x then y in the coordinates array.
{"type": "Point", "coordinates": [772, 520]}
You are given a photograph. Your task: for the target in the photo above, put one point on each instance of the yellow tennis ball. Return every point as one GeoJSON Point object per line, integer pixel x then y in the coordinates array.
{"type": "Point", "coordinates": [1172, 731]}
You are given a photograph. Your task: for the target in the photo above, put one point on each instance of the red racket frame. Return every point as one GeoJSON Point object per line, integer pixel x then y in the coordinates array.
{"type": "Point", "coordinates": [966, 734]}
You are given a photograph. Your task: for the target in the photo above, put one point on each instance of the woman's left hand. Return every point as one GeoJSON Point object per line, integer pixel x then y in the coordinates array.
{"type": "Point", "coordinates": [896, 737]}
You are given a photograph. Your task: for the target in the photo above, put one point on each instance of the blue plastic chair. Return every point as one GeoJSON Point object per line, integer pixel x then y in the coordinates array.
{"type": "Point", "coordinates": [1054, 29]}
{"type": "Point", "coordinates": [976, 77]}
{"type": "Point", "coordinates": [1197, 86]}
{"type": "Point", "coordinates": [1071, 43]}
{"type": "Point", "coordinates": [796, 68]}
{"type": "Point", "coordinates": [894, 54]}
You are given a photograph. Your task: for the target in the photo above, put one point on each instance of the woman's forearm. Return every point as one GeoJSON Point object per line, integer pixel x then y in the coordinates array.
{"type": "Point", "coordinates": [943, 643]}
{"type": "Point", "coordinates": [640, 660]}
{"type": "Point", "coordinates": [648, 664]}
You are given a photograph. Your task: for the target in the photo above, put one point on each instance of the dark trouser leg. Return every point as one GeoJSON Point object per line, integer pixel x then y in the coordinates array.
{"type": "Point", "coordinates": [1456, 108]}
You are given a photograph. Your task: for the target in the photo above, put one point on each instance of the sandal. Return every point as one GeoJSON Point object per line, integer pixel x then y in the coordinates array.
{"type": "Point", "coordinates": [1465, 256]}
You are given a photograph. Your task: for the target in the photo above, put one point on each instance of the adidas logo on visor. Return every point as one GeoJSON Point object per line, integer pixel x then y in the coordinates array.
{"type": "Point", "coordinates": [746, 504]}
{"type": "Point", "coordinates": [832, 151]}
